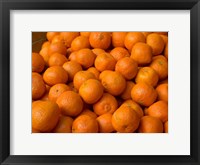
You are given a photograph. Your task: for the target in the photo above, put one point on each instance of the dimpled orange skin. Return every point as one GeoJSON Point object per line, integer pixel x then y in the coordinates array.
{"type": "Point", "coordinates": [125, 120]}
{"type": "Point", "coordinates": [114, 83]}
{"type": "Point", "coordinates": [147, 75]}
{"type": "Point", "coordinates": [149, 124]}
{"type": "Point", "coordinates": [45, 115]}
{"type": "Point", "coordinates": [85, 124]}
{"type": "Point", "coordinates": [70, 103]}
{"type": "Point", "coordinates": [100, 40]}
{"type": "Point", "coordinates": [91, 91]}
{"type": "Point", "coordinates": [105, 123]}
{"type": "Point", "coordinates": [54, 75]}
{"type": "Point", "coordinates": [160, 110]}
{"type": "Point", "coordinates": [64, 125]}
{"type": "Point", "coordinates": [143, 94]}
{"type": "Point", "coordinates": [107, 104]}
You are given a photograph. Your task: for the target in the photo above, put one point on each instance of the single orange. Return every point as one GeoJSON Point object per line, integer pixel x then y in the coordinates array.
{"type": "Point", "coordinates": [105, 123]}
{"type": "Point", "coordinates": [57, 59]}
{"type": "Point", "coordinates": [119, 53]}
{"type": "Point", "coordinates": [44, 53]}
{"type": "Point", "coordinates": [162, 91]}
{"type": "Point", "coordinates": [57, 48]}
{"type": "Point", "coordinates": [80, 42]}
{"type": "Point", "coordinates": [38, 63]}
{"type": "Point", "coordinates": [118, 39]}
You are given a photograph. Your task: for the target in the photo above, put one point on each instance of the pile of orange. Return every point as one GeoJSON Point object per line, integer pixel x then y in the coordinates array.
{"type": "Point", "coordinates": [101, 82]}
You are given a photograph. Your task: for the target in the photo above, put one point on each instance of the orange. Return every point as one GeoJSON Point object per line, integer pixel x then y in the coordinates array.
{"type": "Point", "coordinates": [107, 104]}
{"type": "Point", "coordinates": [105, 123]}
{"type": "Point", "coordinates": [147, 75]}
{"type": "Point", "coordinates": [166, 51]}
{"type": "Point", "coordinates": [72, 56]}
{"type": "Point", "coordinates": [45, 44]}
{"type": "Point", "coordinates": [58, 38]}
{"type": "Point", "coordinates": [70, 103]}
{"type": "Point", "coordinates": [125, 120]}
{"type": "Point", "coordinates": [44, 53]}
{"type": "Point", "coordinates": [98, 51]}
{"type": "Point", "coordinates": [45, 115]}
{"type": "Point", "coordinates": [94, 71]}
{"type": "Point", "coordinates": [89, 113]}
{"type": "Point", "coordinates": [143, 94]}
{"type": "Point", "coordinates": [50, 35]}
{"type": "Point", "coordinates": [162, 91]}
{"type": "Point", "coordinates": [38, 63]}
{"type": "Point", "coordinates": [160, 110]}
{"type": "Point", "coordinates": [160, 65]}
{"type": "Point", "coordinates": [64, 125]}
{"type": "Point", "coordinates": [54, 75]}
{"type": "Point", "coordinates": [91, 91]}
{"type": "Point", "coordinates": [114, 83]}
{"type": "Point", "coordinates": [80, 77]}
{"type": "Point", "coordinates": [38, 86]}
{"type": "Point", "coordinates": [68, 37]}
{"type": "Point", "coordinates": [127, 92]}
{"type": "Point", "coordinates": [35, 131]}
{"type": "Point", "coordinates": [80, 42]}
{"type": "Point", "coordinates": [156, 42]}
{"type": "Point", "coordinates": [85, 124]}
{"type": "Point", "coordinates": [132, 38]}
{"type": "Point", "coordinates": [166, 127]}
{"type": "Point", "coordinates": [141, 53]}
{"type": "Point", "coordinates": [85, 57]}
{"type": "Point", "coordinates": [127, 67]}
{"type": "Point", "coordinates": [149, 124]}
{"type": "Point", "coordinates": [118, 39]}
{"type": "Point", "coordinates": [100, 40]}
{"type": "Point", "coordinates": [57, 48]}
{"type": "Point", "coordinates": [104, 61]}
{"type": "Point", "coordinates": [72, 67]}
{"type": "Point", "coordinates": [146, 34]}
{"type": "Point", "coordinates": [86, 34]}
{"type": "Point", "coordinates": [57, 59]}
{"type": "Point", "coordinates": [136, 107]}
{"type": "Point", "coordinates": [119, 52]}
{"type": "Point", "coordinates": [165, 39]}
{"type": "Point", "coordinates": [56, 90]}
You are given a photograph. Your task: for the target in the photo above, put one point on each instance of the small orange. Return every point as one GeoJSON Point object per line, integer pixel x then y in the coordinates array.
{"type": "Point", "coordinates": [57, 48]}
{"type": "Point", "coordinates": [114, 83]}
{"type": "Point", "coordinates": [91, 91]}
{"type": "Point", "coordinates": [56, 90]}
{"type": "Point", "coordinates": [160, 65]}
{"type": "Point", "coordinates": [72, 67]}
{"type": "Point", "coordinates": [70, 103]}
{"type": "Point", "coordinates": [94, 71]}
{"type": "Point", "coordinates": [136, 107]}
{"type": "Point", "coordinates": [165, 39]}
{"type": "Point", "coordinates": [54, 75]}
{"type": "Point", "coordinates": [144, 94]}
{"type": "Point", "coordinates": [100, 40]}
{"type": "Point", "coordinates": [68, 37]}
{"type": "Point", "coordinates": [45, 115]}
{"type": "Point", "coordinates": [127, 92]}
{"type": "Point", "coordinates": [45, 44]}
{"type": "Point", "coordinates": [132, 38]}
{"type": "Point", "coordinates": [166, 127]}
{"type": "Point", "coordinates": [106, 104]}
{"type": "Point", "coordinates": [58, 38]}
{"type": "Point", "coordinates": [105, 123]}
{"type": "Point", "coordinates": [85, 124]}
{"type": "Point", "coordinates": [141, 53]}
{"type": "Point", "coordinates": [127, 67]}
{"type": "Point", "coordinates": [98, 51]}
{"type": "Point", "coordinates": [85, 57]}
{"type": "Point", "coordinates": [71, 85]}
{"type": "Point", "coordinates": [50, 35]}
{"type": "Point", "coordinates": [38, 86]}
{"type": "Point", "coordinates": [86, 34]}
{"type": "Point", "coordinates": [119, 52]}
{"type": "Point", "coordinates": [160, 110]}
{"type": "Point", "coordinates": [162, 91]}
{"type": "Point", "coordinates": [38, 63]}
{"type": "Point", "coordinates": [147, 75]}
{"type": "Point", "coordinates": [156, 42]}
{"type": "Point", "coordinates": [64, 125]}
{"type": "Point", "coordinates": [104, 61]}
{"type": "Point", "coordinates": [44, 53]}
{"type": "Point", "coordinates": [80, 77]}
{"type": "Point", "coordinates": [118, 39]}
{"type": "Point", "coordinates": [89, 113]}
{"type": "Point", "coordinates": [57, 59]}
{"type": "Point", "coordinates": [125, 120]}
{"type": "Point", "coordinates": [149, 124]}
{"type": "Point", "coordinates": [80, 42]}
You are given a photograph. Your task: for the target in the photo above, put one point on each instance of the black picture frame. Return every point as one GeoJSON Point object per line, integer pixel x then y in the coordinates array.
{"type": "Point", "coordinates": [7, 5]}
